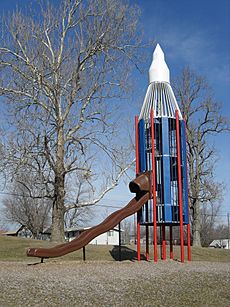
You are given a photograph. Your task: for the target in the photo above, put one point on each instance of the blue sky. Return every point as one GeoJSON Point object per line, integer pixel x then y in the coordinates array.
{"type": "Point", "coordinates": [194, 33]}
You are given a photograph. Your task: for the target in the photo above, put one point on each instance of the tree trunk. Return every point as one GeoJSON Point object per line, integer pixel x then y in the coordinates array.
{"type": "Point", "coordinates": [196, 225]}
{"type": "Point", "coordinates": [58, 212]}
{"type": "Point", "coordinates": [57, 234]}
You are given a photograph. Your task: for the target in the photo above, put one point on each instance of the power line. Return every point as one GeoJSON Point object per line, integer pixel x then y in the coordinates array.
{"type": "Point", "coordinates": [205, 214]}
{"type": "Point", "coordinates": [101, 205]}
{"type": "Point", "coordinates": [228, 231]}
{"type": "Point", "coordinates": [28, 196]}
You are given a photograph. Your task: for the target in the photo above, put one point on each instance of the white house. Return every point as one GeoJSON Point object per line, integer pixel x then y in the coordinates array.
{"type": "Point", "coordinates": [221, 243]}
{"type": "Point", "coordinates": [21, 231]}
{"type": "Point", "coordinates": [110, 237]}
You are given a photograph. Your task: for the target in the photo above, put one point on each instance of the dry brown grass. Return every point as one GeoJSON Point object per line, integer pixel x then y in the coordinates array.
{"type": "Point", "coordinates": [96, 283]}
{"type": "Point", "coordinates": [14, 249]}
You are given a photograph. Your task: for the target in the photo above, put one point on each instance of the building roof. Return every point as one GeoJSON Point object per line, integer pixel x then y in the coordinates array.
{"type": "Point", "coordinates": [77, 228]}
{"type": "Point", "coordinates": [12, 232]}
{"type": "Point", "coordinates": [219, 242]}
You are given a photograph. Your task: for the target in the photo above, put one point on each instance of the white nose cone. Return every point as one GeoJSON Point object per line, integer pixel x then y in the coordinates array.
{"type": "Point", "coordinates": [158, 71]}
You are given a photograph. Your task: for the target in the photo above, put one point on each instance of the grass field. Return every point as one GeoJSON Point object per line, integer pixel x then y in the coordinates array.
{"type": "Point", "coordinates": [14, 249]}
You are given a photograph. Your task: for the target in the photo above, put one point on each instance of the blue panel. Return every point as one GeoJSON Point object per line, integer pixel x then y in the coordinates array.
{"type": "Point", "coordinates": [150, 212]}
{"type": "Point", "coordinates": [142, 146]}
{"type": "Point", "coordinates": [142, 215]}
{"type": "Point", "coordinates": [184, 172]}
{"type": "Point", "coordinates": [166, 171]}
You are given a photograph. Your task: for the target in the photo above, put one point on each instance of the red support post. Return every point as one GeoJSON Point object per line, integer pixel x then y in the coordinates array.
{"type": "Point", "coordinates": [188, 241]}
{"type": "Point", "coordinates": [146, 234]}
{"type": "Point", "coordinates": [138, 238]}
{"type": "Point", "coordinates": [188, 226]}
{"type": "Point", "coordinates": [137, 171]}
{"type": "Point", "coordinates": [147, 243]}
{"type": "Point", "coordinates": [171, 242]}
{"type": "Point", "coordinates": [154, 187]}
{"type": "Point", "coordinates": [179, 180]}
{"type": "Point", "coordinates": [163, 243]}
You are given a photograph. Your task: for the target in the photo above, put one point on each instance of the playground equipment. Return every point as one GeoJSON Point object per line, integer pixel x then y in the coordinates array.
{"type": "Point", "coordinates": [161, 148]}
{"type": "Point", "coordinates": [161, 185]}
{"type": "Point", "coordinates": [141, 186]}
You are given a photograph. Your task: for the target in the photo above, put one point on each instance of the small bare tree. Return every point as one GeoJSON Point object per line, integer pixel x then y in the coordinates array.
{"type": "Point", "coordinates": [78, 217]}
{"type": "Point", "coordinates": [209, 220]}
{"type": "Point", "coordinates": [126, 228]}
{"type": "Point", "coordinates": [21, 207]}
{"type": "Point", "coordinates": [63, 72]}
{"type": "Point", "coordinates": [221, 232]}
{"type": "Point", "coordinates": [203, 120]}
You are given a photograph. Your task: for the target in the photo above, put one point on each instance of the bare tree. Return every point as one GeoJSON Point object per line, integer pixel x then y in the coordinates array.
{"type": "Point", "coordinates": [126, 227]}
{"type": "Point", "coordinates": [203, 120]}
{"type": "Point", "coordinates": [78, 217]}
{"type": "Point", "coordinates": [63, 72]}
{"type": "Point", "coordinates": [209, 220]}
{"type": "Point", "coordinates": [221, 232]}
{"type": "Point", "coordinates": [20, 207]}
{"type": "Point", "coordinates": [3, 225]}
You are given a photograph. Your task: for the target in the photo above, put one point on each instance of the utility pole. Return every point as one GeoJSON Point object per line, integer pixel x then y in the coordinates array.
{"type": "Point", "coordinates": [228, 231]}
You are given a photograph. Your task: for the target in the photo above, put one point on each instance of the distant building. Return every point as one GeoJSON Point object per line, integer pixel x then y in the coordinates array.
{"type": "Point", "coordinates": [2, 232]}
{"type": "Point", "coordinates": [221, 243]}
{"type": "Point", "coordinates": [110, 237]}
{"type": "Point", "coordinates": [24, 232]}
{"type": "Point", "coordinates": [21, 231]}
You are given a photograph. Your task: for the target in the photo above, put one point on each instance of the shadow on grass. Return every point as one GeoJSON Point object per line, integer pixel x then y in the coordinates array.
{"type": "Point", "coordinates": [126, 254]}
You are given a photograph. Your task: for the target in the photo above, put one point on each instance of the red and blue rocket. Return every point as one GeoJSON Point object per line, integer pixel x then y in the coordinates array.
{"type": "Point", "coordinates": [161, 148]}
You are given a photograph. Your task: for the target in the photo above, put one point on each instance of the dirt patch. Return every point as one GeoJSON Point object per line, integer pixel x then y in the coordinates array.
{"type": "Point", "coordinates": [128, 283]}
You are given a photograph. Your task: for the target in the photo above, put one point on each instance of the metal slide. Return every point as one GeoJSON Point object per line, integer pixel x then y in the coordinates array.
{"type": "Point", "coordinates": [141, 186]}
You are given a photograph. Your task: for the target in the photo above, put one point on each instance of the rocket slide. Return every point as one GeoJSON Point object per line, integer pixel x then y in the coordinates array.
{"type": "Point", "coordinates": [141, 186]}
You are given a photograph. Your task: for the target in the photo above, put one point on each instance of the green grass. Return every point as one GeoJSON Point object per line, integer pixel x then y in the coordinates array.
{"type": "Point", "coordinates": [210, 254]}
{"type": "Point", "coordinates": [14, 249]}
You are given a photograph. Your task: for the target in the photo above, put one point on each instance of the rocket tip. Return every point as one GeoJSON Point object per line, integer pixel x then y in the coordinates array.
{"type": "Point", "coordinates": [158, 71]}
{"type": "Point", "coordinates": [158, 51]}
{"type": "Point", "coordinates": [158, 47]}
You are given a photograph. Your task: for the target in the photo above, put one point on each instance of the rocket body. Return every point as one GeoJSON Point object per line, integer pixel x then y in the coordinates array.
{"type": "Point", "coordinates": [169, 144]}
